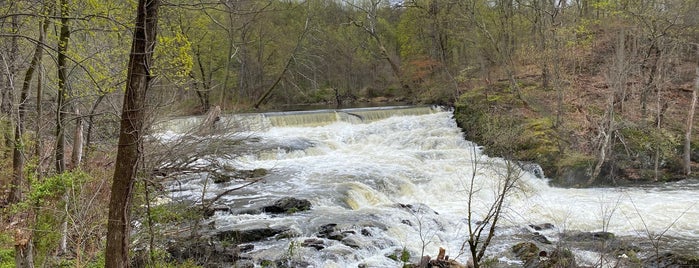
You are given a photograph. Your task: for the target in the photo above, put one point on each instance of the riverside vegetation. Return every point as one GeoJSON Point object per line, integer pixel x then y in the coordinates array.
{"type": "Point", "coordinates": [601, 92]}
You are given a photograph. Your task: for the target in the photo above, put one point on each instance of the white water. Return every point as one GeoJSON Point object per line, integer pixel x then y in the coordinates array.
{"type": "Point", "coordinates": [355, 174]}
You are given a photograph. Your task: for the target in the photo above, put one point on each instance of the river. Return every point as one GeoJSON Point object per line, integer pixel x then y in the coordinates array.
{"type": "Point", "coordinates": [397, 179]}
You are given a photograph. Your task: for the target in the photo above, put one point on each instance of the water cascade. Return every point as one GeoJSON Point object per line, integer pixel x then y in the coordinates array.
{"type": "Point", "coordinates": [396, 179]}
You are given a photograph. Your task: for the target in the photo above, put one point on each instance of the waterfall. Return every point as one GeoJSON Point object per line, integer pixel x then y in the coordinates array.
{"type": "Point", "coordinates": [400, 177]}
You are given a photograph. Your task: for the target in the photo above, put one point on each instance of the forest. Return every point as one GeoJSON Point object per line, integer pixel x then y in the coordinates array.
{"type": "Point", "coordinates": [599, 92]}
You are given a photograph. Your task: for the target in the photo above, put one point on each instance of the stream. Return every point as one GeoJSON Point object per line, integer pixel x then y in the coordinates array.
{"type": "Point", "coordinates": [397, 179]}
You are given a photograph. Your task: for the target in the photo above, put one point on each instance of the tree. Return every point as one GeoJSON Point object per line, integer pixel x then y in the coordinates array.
{"type": "Point", "coordinates": [687, 160]}
{"type": "Point", "coordinates": [130, 134]}
{"type": "Point", "coordinates": [484, 212]}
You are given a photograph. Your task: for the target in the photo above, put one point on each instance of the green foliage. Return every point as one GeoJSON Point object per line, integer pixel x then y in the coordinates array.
{"type": "Point", "coordinates": [7, 253]}
{"type": "Point", "coordinates": [50, 188]}
{"type": "Point", "coordinates": [173, 56]}
{"type": "Point", "coordinates": [404, 256]}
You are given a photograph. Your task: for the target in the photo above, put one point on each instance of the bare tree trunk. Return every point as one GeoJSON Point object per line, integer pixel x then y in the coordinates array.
{"type": "Point", "coordinates": [132, 119]}
{"type": "Point", "coordinates": [18, 153]}
{"type": "Point", "coordinates": [90, 123]}
{"type": "Point", "coordinates": [77, 155]}
{"type": "Point", "coordinates": [690, 120]}
{"type": "Point", "coordinates": [61, 111]}
{"type": "Point", "coordinates": [7, 102]}
{"type": "Point", "coordinates": [24, 258]}
{"type": "Point", "coordinates": [286, 67]}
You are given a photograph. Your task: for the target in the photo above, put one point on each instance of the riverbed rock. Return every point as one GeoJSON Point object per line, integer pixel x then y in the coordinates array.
{"type": "Point", "coordinates": [543, 226]}
{"type": "Point", "coordinates": [672, 260]}
{"type": "Point", "coordinates": [318, 244]}
{"type": "Point", "coordinates": [228, 175]}
{"type": "Point", "coordinates": [204, 252]}
{"type": "Point", "coordinates": [535, 257]}
{"type": "Point", "coordinates": [351, 242]}
{"type": "Point", "coordinates": [249, 235]}
{"type": "Point", "coordinates": [589, 236]}
{"type": "Point", "coordinates": [288, 205]}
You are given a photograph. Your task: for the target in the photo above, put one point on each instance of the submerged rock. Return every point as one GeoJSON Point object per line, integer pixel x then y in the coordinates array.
{"type": "Point", "coordinates": [288, 205]}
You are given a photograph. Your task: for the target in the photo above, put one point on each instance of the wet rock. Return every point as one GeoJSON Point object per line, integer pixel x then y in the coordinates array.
{"type": "Point", "coordinates": [230, 174]}
{"type": "Point", "coordinates": [672, 260]}
{"type": "Point", "coordinates": [203, 252]}
{"type": "Point", "coordinates": [330, 231]}
{"type": "Point", "coordinates": [286, 263]}
{"type": "Point", "coordinates": [589, 236]}
{"type": "Point", "coordinates": [417, 208]}
{"type": "Point", "coordinates": [543, 226]}
{"type": "Point", "coordinates": [351, 242]}
{"type": "Point", "coordinates": [291, 233]}
{"type": "Point", "coordinates": [335, 236]}
{"type": "Point", "coordinates": [366, 232]}
{"type": "Point", "coordinates": [540, 238]}
{"type": "Point", "coordinates": [246, 247]}
{"type": "Point", "coordinates": [533, 168]}
{"type": "Point", "coordinates": [318, 244]}
{"type": "Point", "coordinates": [288, 205]}
{"type": "Point", "coordinates": [250, 235]}
{"type": "Point", "coordinates": [328, 228]}
{"type": "Point", "coordinates": [534, 257]}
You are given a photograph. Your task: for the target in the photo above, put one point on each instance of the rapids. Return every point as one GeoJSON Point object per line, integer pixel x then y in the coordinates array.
{"type": "Point", "coordinates": [357, 167]}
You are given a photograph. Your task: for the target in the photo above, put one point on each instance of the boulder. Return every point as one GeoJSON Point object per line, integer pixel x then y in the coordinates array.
{"type": "Point", "coordinates": [543, 226]}
{"type": "Point", "coordinates": [288, 205]}
{"type": "Point", "coordinates": [314, 243]}
{"type": "Point", "coordinates": [534, 257]}
{"type": "Point", "coordinates": [672, 260]}
{"type": "Point", "coordinates": [330, 231]}
{"type": "Point", "coordinates": [589, 236]}
{"type": "Point", "coordinates": [204, 252]}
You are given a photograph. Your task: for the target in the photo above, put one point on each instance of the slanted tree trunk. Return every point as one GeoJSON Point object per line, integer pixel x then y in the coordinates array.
{"type": "Point", "coordinates": [286, 66]}
{"type": "Point", "coordinates": [132, 119]}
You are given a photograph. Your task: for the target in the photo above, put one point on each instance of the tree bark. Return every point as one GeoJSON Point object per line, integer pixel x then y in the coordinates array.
{"type": "Point", "coordinates": [132, 119]}
{"type": "Point", "coordinates": [61, 109]}
{"type": "Point", "coordinates": [77, 155]}
{"type": "Point", "coordinates": [690, 120]}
